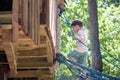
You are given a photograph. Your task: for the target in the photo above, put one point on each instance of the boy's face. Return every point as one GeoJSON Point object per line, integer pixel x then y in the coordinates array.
{"type": "Point", "coordinates": [76, 28]}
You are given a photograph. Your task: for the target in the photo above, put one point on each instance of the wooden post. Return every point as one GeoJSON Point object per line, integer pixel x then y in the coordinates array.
{"type": "Point", "coordinates": [37, 22]}
{"type": "Point", "coordinates": [30, 18]}
{"type": "Point", "coordinates": [47, 12]}
{"type": "Point", "coordinates": [15, 20]}
{"type": "Point", "coordinates": [33, 20]}
{"type": "Point", "coordinates": [25, 15]}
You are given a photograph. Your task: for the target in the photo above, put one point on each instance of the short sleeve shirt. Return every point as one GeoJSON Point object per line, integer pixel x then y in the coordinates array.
{"type": "Point", "coordinates": [82, 33]}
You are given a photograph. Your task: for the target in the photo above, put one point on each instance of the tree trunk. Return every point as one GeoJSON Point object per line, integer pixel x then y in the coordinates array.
{"type": "Point", "coordinates": [94, 36]}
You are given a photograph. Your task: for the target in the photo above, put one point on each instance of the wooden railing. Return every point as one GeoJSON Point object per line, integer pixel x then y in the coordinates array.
{"type": "Point", "coordinates": [30, 14]}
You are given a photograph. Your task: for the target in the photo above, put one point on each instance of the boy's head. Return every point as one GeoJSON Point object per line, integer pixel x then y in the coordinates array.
{"type": "Point", "coordinates": [77, 25]}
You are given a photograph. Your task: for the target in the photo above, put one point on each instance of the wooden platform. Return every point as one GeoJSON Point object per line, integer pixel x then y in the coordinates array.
{"type": "Point", "coordinates": [28, 59]}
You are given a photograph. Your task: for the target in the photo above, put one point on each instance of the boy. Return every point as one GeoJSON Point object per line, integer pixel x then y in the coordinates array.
{"type": "Point", "coordinates": [80, 54]}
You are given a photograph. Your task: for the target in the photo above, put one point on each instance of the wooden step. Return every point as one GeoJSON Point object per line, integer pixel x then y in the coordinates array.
{"type": "Point", "coordinates": [34, 52]}
{"type": "Point", "coordinates": [32, 73]}
{"type": "Point", "coordinates": [31, 59]}
{"type": "Point", "coordinates": [24, 42]}
{"type": "Point", "coordinates": [34, 65]}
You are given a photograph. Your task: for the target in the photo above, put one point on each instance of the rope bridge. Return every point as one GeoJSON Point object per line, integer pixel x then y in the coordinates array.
{"type": "Point", "coordinates": [93, 42]}
{"type": "Point", "coordinates": [90, 72]}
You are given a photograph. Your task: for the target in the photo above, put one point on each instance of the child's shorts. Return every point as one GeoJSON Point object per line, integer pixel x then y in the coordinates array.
{"type": "Point", "coordinates": [80, 57]}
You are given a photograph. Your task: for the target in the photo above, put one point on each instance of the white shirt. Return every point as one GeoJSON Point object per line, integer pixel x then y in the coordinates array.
{"type": "Point", "coordinates": [82, 33]}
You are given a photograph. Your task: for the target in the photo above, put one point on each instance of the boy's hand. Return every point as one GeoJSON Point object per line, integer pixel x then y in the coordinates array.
{"type": "Point", "coordinates": [76, 36]}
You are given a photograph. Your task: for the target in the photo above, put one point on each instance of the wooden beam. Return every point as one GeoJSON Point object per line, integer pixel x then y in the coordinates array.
{"type": "Point", "coordinates": [9, 50]}
{"type": "Point", "coordinates": [15, 20]}
{"type": "Point", "coordinates": [10, 53]}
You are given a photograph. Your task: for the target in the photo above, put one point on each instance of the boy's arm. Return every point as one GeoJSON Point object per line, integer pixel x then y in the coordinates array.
{"type": "Point", "coordinates": [81, 38]}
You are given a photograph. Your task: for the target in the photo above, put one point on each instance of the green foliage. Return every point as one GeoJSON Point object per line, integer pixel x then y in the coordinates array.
{"type": "Point", "coordinates": [111, 2]}
{"type": "Point", "coordinates": [109, 28]}
{"type": "Point", "coordinates": [109, 33]}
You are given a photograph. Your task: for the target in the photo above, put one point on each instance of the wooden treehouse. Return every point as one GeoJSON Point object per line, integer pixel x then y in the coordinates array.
{"type": "Point", "coordinates": [28, 39]}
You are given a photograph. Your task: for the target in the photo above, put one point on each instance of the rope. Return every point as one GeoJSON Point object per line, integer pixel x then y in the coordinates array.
{"type": "Point", "coordinates": [96, 52]}
{"type": "Point", "coordinates": [92, 73]}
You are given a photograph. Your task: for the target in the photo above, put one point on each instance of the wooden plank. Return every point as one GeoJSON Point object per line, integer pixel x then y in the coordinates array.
{"type": "Point", "coordinates": [49, 52]}
{"type": "Point", "coordinates": [9, 50]}
{"type": "Point", "coordinates": [28, 57]}
{"type": "Point", "coordinates": [30, 19]}
{"type": "Point", "coordinates": [50, 40]}
{"type": "Point", "coordinates": [34, 65]}
{"type": "Point", "coordinates": [31, 59]}
{"type": "Point", "coordinates": [32, 73]}
{"type": "Point", "coordinates": [37, 22]}
{"type": "Point", "coordinates": [33, 20]}
{"type": "Point", "coordinates": [40, 2]}
{"type": "Point", "coordinates": [25, 15]}
{"type": "Point", "coordinates": [33, 53]}
{"type": "Point", "coordinates": [47, 12]}
{"type": "Point", "coordinates": [10, 53]}
{"type": "Point", "coordinates": [15, 20]}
